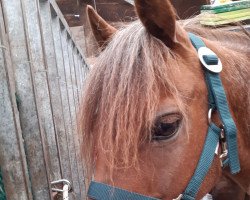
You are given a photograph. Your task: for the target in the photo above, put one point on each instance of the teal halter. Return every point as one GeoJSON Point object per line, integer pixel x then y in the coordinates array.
{"type": "Point", "coordinates": [228, 133]}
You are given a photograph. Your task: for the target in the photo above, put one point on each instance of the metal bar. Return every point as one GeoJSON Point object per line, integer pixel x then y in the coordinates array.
{"type": "Point", "coordinates": [85, 69]}
{"type": "Point", "coordinates": [77, 74]}
{"type": "Point", "coordinates": [82, 68]}
{"type": "Point", "coordinates": [76, 104]}
{"type": "Point", "coordinates": [78, 137]}
{"type": "Point", "coordinates": [72, 73]}
{"type": "Point", "coordinates": [53, 83]}
{"type": "Point", "coordinates": [63, 137]}
{"type": "Point", "coordinates": [80, 74]}
{"type": "Point", "coordinates": [71, 114]}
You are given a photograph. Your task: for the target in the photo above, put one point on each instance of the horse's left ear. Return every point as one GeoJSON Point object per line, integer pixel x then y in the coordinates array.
{"type": "Point", "coordinates": [101, 29]}
{"type": "Point", "coordinates": [159, 18]}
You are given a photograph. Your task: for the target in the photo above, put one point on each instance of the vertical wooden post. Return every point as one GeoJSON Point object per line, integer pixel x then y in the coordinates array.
{"type": "Point", "coordinates": [29, 119]}
{"type": "Point", "coordinates": [12, 154]}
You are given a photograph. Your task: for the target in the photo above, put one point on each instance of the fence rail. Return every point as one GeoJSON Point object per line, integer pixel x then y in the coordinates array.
{"type": "Point", "coordinates": [41, 75]}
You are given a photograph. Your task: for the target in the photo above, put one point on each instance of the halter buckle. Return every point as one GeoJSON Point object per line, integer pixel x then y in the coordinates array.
{"type": "Point", "coordinates": [224, 150]}
{"type": "Point", "coordinates": [222, 143]}
{"type": "Point", "coordinates": [203, 53]}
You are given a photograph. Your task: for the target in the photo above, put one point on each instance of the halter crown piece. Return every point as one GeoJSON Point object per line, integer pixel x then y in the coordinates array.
{"type": "Point", "coordinates": [226, 135]}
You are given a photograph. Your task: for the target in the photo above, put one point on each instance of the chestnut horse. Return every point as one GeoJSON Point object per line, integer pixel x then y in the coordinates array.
{"type": "Point", "coordinates": [144, 113]}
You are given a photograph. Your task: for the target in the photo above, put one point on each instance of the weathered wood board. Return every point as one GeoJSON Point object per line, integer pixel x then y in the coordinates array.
{"type": "Point", "coordinates": [40, 84]}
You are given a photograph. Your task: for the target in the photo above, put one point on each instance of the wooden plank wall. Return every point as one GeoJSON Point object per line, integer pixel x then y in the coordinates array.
{"type": "Point", "coordinates": [42, 72]}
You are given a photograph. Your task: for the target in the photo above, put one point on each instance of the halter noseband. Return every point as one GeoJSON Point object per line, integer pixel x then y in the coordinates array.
{"type": "Point", "coordinates": [227, 135]}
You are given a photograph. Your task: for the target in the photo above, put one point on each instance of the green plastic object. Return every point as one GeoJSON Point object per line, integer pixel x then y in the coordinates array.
{"type": "Point", "coordinates": [2, 192]}
{"type": "Point", "coordinates": [225, 18]}
{"type": "Point", "coordinates": [229, 13]}
{"type": "Point", "coordinates": [236, 5]}
{"type": "Point", "coordinates": [226, 8]}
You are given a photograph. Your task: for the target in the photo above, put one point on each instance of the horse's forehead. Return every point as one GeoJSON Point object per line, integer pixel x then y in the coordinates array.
{"type": "Point", "coordinates": [188, 78]}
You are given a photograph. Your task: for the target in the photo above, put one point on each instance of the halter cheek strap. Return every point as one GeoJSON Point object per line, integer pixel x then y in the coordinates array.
{"type": "Point", "coordinates": [217, 101]}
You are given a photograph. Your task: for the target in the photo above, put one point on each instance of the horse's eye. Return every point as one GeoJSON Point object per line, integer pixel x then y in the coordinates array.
{"type": "Point", "coordinates": [166, 126]}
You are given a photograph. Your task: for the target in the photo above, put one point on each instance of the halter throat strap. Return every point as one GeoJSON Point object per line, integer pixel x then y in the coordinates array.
{"type": "Point", "coordinates": [217, 101]}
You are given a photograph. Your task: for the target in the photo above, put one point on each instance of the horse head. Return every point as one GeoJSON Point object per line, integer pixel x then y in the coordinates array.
{"type": "Point", "coordinates": [144, 115]}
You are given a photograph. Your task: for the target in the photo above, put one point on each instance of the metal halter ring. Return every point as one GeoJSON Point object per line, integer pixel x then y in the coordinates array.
{"type": "Point", "coordinates": [204, 51]}
{"type": "Point", "coordinates": [210, 112]}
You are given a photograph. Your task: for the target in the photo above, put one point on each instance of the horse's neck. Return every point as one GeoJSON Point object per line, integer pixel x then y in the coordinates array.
{"type": "Point", "coordinates": [236, 78]}
{"type": "Point", "coordinates": [234, 51]}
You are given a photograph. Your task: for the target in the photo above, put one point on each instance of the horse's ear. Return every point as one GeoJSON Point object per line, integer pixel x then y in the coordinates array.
{"type": "Point", "coordinates": [159, 18]}
{"type": "Point", "coordinates": [101, 29]}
